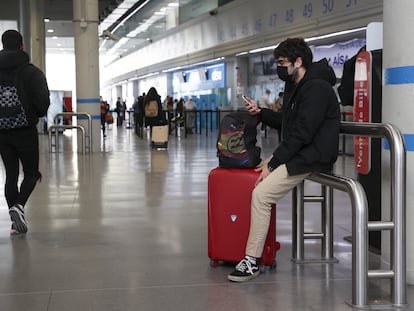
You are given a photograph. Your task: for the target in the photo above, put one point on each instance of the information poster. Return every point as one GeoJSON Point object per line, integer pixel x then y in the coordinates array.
{"type": "Point", "coordinates": [362, 110]}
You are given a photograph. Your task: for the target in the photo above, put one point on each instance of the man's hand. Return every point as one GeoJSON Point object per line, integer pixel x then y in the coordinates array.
{"type": "Point", "coordinates": [264, 172]}
{"type": "Point", "coordinates": [251, 106]}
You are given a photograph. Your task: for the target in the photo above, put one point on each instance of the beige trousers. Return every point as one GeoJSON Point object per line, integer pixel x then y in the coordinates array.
{"type": "Point", "coordinates": [267, 192]}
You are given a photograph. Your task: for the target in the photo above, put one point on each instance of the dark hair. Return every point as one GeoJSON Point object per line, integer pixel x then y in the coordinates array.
{"type": "Point", "coordinates": [152, 95]}
{"type": "Point", "coordinates": [292, 48]}
{"type": "Point", "coordinates": [12, 40]}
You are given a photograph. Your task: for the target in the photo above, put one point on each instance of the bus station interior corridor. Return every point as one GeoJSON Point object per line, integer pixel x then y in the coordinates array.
{"type": "Point", "coordinates": [126, 229]}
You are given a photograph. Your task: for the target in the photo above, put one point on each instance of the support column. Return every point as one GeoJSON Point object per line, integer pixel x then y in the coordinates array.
{"type": "Point", "coordinates": [24, 24]}
{"type": "Point", "coordinates": [240, 86]}
{"type": "Point", "coordinates": [118, 92]}
{"type": "Point", "coordinates": [398, 92]}
{"type": "Point", "coordinates": [85, 20]}
{"type": "Point", "coordinates": [231, 78]}
{"type": "Point", "coordinates": [135, 89]}
{"type": "Point", "coordinates": [38, 40]}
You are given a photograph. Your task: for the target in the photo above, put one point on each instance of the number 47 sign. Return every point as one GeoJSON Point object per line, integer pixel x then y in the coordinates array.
{"type": "Point", "coordinates": [362, 110]}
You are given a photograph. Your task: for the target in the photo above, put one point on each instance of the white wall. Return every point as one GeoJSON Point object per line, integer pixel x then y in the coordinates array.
{"type": "Point", "coordinates": [6, 25]}
{"type": "Point", "coordinates": [60, 72]}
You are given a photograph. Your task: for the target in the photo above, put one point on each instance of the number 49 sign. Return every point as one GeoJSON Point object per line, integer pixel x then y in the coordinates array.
{"type": "Point", "coordinates": [362, 110]}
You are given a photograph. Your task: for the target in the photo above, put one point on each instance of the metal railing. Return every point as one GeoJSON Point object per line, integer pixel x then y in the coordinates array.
{"type": "Point", "coordinates": [360, 223]}
{"type": "Point", "coordinates": [54, 129]}
{"type": "Point", "coordinates": [325, 235]}
{"type": "Point", "coordinates": [87, 133]}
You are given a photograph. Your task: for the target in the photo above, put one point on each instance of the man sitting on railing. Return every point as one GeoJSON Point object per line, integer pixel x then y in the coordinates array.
{"type": "Point", "coordinates": [310, 121]}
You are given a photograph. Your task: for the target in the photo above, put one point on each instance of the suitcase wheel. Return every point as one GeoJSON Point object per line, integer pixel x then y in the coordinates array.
{"type": "Point", "coordinates": [214, 263]}
{"type": "Point", "coordinates": [159, 145]}
{"type": "Point", "coordinates": [271, 267]}
{"type": "Point", "coordinates": [277, 246]}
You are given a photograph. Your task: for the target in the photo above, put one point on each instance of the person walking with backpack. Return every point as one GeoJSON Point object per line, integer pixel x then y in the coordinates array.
{"type": "Point", "coordinates": [154, 115]}
{"type": "Point", "coordinates": [24, 98]}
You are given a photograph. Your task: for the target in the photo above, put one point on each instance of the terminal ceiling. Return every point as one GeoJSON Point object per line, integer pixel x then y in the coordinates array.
{"type": "Point", "coordinates": [118, 17]}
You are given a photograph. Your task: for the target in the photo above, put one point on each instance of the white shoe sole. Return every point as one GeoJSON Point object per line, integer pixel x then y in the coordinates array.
{"type": "Point", "coordinates": [239, 279]}
{"type": "Point", "coordinates": [18, 220]}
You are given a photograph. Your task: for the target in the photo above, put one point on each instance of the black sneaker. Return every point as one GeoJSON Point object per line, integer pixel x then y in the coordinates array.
{"type": "Point", "coordinates": [16, 213]}
{"type": "Point", "coordinates": [244, 271]}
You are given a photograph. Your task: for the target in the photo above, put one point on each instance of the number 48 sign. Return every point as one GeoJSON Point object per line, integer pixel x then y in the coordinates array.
{"type": "Point", "coordinates": [362, 110]}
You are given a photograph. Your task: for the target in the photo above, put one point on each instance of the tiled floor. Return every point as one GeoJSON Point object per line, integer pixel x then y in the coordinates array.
{"type": "Point", "coordinates": [126, 229]}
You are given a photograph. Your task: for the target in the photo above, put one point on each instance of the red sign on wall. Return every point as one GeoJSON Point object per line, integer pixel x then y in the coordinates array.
{"type": "Point", "coordinates": [362, 110]}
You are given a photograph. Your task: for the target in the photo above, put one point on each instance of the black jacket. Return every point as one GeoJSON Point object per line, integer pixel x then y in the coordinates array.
{"type": "Point", "coordinates": [31, 83]}
{"type": "Point", "coordinates": [310, 122]}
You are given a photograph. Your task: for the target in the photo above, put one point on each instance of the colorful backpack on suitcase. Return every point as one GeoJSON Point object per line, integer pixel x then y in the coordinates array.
{"type": "Point", "coordinates": [236, 142]}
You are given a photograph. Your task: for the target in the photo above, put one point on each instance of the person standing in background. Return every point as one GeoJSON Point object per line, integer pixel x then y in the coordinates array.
{"type": "Point", "coordinates": [179, 109]}
{"type": "Point", "coordinates": [104, 113]}
{"type": "Point", "coordinates": [139, 115]}
{"type": "Point", "coordinates": [124, 110]}
{"type": "Point", "coordinates": [265, 100]}
{"type": "Point", "coordinates": [19, 142]}
{"type": "Point", "coordinates": [118, 110]}
{"type": "Point", "coordinates": [190, 111]}
{"type": "Point", "coordinates": [277, 106]}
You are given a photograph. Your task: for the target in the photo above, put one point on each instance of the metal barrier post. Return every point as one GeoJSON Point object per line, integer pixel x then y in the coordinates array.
{"type": "Point", "coordinates": [88, 135]}
{"type": "Point", "coordinates": [298, 223]}
{"type": "Point", "coordinates": [398, 205]}
{"type": "Point", "coordinates": [359, 229]}
{"type": "Point", "coordinates": [51, 142]}
{"type": "Point", "coordinates": [360, 224]}
{"type": "Point", "coordinates": [56, 130]}
{"type": "Point", "coordinates": [299, 235]}
{"type": "Point", "coordinates": [328, 241]}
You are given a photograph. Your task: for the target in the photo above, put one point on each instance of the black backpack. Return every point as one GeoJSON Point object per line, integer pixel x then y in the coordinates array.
{"type": "Point", "coordinates": [236, 142]}
{"type": "Point", "coordinates": [12, 113]}
{"type": "Point", "coordinates": [346, 88]}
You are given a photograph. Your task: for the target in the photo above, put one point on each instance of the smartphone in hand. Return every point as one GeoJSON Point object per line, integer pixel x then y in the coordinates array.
{"type": "Point", "coordinates": [251, 107]}
{"type": "Point", "coordinates": [246, 99]}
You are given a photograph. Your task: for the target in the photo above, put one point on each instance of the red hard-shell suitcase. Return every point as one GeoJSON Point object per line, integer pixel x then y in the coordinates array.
{"type": "Point", "coordinates": [229, 197]}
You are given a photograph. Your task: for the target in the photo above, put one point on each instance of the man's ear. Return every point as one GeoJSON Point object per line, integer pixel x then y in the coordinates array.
{"type": "Point", "coordinates": [298, 62]}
